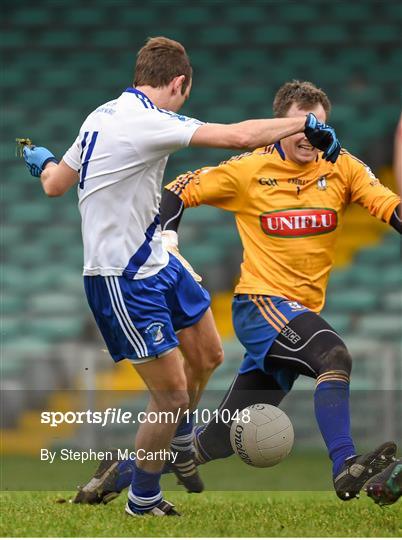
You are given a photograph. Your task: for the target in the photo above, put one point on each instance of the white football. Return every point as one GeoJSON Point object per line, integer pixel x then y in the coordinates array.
{"type": "Point", "coordinates": [262, 436]}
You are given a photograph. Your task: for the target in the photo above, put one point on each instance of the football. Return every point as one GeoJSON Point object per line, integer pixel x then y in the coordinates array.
{"type": "Point", "coordinates": [262, 436]}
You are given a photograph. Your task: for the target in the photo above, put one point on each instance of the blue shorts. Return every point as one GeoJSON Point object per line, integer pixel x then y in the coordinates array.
{"type": "Point", "coordinates": [257, 320]}
{"type": "Point", "coordinates": [138, 319]}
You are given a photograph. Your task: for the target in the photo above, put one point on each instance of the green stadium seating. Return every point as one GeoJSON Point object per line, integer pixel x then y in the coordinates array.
{"type": "Point", "coordinates": [28, 255]}
{"type": "Point", "coordinates": [13, 77]}
{"type": "Point", "coordinates": [73, 254]}
{"type": "Point", "coordinates": [53, 304]}
{"type": "Point", "coordinates": [58, 235]}
{"type": "Point", "coordinates": [381, 33]}
{"type": "Point", "coordinates": [393, 11]}
{"type": "Point", "coordinates": [139, 16]}
{"type": "Point", "coordinates": [343, 113]}
{"type": "Point", "coordinates": [365, 275]}
{"type": "Point", "coordinates": [246, 14]}
{"type": "Point", "coordinates": [61, 38]}
{"type": "Point", "coordinates": [197, 15]}
{"type": "Point", "coordinates": [71, 281]}
{"type": "Point", "coordinates": [339, 279]}
{"type": "Point", "coordinates": [25, 212]}
{"type": "Point", "coordinates": [357, 12]}
{"type": "Point", "coordinates": [59, 78]}
{"type": "Point", "coordinates": [56, 328]}
{"type": "Point", "coordinates": [11, 303]}
{"type": "Point", "coordinates": [297, 13]}
{"type": "Point", "coordinates": [112, 38]}
{"type": "Point", "coordinates": [357, 57]}
{"type": "Point", "coordinates": [70, 215]}
{"type": "Point", "coordinates": [341, 322]}
{"type": "Point", "coordinates": [32, 59]}
{"type": "Point", "coordinates": [89, 98]}
{"type": "Point", "coordinates": [202, 256]}
{"type": "Point", "coordinates": [218, 35]}
{"type": "Point", "coordinates": [384, 326]}
{"type": "Point", "coordinates": [10, 369]}
{"type": "Point", "coordinates": [16, 174]}
{"type": "Point", "coordinates": [24, 349]}
{"type": "Point", "coordinates": [37, 98]}
{"type": "Point", "coordinates": [273, 34]}
{"type": "Point", "coordinates": [11, 278]}
{"type": "Point", "coordinates": [49, 277]}
{"type": "Point", "coordinates": [391, 276]}
{"type": "Point", "coordinates": [11, 328]}
{"type": "Point", "coordinates": [352, 300]}
{"type": "Point", "coordinates": [11, 235]}
{"type": "Point", "coordinates": [325, 33]}
{"type": "Point", "coordinates": [202, 215]}
{"type": "Point", "coordinates": [383, 253]}
{"type": "Point", "coordinates": [82, 16]}
{"type": "Point", "coordinates": [13, 39]}
{"type": "Point", "coordinates": [225, 236]}
{"type": "Point", "coordinates": [34, 16]}
{"type": "Point", "coordinates": [392, 301]}
{"type": "Point", "coordinates": [253, 95]}
{"type": "Point", "coordinates": [302, 56]}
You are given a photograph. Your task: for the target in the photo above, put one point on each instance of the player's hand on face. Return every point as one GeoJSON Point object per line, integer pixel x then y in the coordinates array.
{"type": "Point", "coordinates": [171, 244]}
{"type": "Point", "coordinates": [36, 159]}
{"type": "Point", "coordinates": [323, 137]}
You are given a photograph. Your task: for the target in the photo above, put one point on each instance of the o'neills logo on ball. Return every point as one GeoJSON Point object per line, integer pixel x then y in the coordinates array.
{"type": "Point", "coordinates": [294, 222]}
{"type": "Point", "coordinates": [238, 440]}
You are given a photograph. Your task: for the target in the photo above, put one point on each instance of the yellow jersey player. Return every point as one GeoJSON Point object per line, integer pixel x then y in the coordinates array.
{"type": "Point", "coordinates": [289, 205]}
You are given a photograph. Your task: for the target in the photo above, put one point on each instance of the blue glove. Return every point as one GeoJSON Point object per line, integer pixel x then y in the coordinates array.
{"type": "Point", "coordinates": [36, 158]}
{"type": "Point", "coordinates": [322, 137]}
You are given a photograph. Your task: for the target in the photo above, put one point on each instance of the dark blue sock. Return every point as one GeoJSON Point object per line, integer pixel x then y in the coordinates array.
{"type": "Point", "coordinates": [183, 439]}
{"type": "Point", "coordinates": [125, 471]}
{"type": "Point", "coordinates": [144, 493]}
{"type": "Point", "coordinates": [200, 452]}
{"type": "Point", "coordinates": [186, 425]}
{"type": "Point", "coordinates": [331, 403]}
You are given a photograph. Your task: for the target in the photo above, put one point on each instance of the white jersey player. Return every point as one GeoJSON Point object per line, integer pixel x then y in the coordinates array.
{"type": "Point", "coordinates": [140, 295]}
{"type": "Point", "coordinates": [121, 153]}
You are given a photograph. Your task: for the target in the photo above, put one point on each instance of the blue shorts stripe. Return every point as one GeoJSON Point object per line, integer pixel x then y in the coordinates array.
{"type": "Point", "coordinates": [139, 318]}
{"type": "Point", "coordinates": [123, 326]}
{"type": "Point", "coordinates": [135, 332]}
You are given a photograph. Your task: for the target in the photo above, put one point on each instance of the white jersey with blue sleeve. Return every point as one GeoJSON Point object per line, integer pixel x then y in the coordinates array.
{"type": "Point", "coordinates": [121, 154]}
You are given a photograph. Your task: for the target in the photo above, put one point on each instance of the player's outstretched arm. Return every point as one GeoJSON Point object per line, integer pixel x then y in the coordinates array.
{"type": "Point", "coordinates": [252, 134]}
{"type": "Point", "coordinates": [56, 178]}
{"type": "Point", "coordinates": [248, 134]}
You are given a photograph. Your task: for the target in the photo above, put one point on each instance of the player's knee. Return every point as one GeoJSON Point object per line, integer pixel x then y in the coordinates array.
{"type": "Point", "coordinates": [212, 358]}
{"type": "Point", "coordinates": [175, 402]}
{"type": "Point", "coordinates": [337, 359]}
{"type": "Point", "coordinates": [216, 357]}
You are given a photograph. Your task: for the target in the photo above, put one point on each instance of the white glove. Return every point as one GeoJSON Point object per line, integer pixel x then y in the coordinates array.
{"type": "Point", "coordinates": [170, 242]}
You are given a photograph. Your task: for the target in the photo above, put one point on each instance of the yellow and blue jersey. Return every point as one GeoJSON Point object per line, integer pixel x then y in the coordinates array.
{"type": "Point", "coordinates": [289, 216]}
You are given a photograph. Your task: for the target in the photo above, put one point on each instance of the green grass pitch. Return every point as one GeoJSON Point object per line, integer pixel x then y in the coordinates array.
{"type": "Point", "coordinates": [236, 503]}
{"type": "Point", "coordinates": [213, 514]}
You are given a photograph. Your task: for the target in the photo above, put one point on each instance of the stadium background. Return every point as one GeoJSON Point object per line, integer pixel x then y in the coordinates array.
{"type": "Point", "coordinates": [63, 58]}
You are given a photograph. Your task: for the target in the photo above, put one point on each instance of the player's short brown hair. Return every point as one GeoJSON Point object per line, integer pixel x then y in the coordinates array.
{"type": "Point", "coordinates": [304, 93]}
{"type": "Point", "coordinates": [159, 61]}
